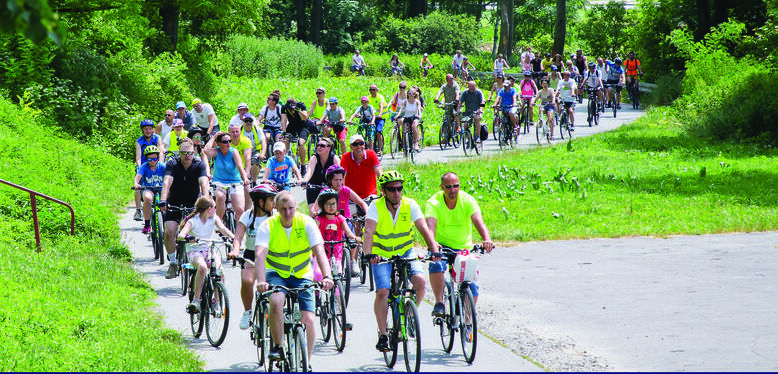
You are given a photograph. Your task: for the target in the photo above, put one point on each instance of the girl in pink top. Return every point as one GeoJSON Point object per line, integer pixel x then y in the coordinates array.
{"type": "Point", "coordinates": [332, 226]}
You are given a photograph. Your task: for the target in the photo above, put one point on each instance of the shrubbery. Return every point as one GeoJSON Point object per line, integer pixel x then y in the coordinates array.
{"type": "Point", "coordinates": [271, 58]}
{"type": "Point", "coordinates": [437, 32]}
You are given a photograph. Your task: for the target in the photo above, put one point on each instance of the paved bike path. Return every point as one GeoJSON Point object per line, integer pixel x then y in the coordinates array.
{"type": "Point", "coordinates": [238, 354]}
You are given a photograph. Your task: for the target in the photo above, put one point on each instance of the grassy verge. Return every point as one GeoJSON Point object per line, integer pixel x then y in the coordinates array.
{"type": "Point", "coordinates": [648, 178]}
{"type": "Point", "coordinates": [78, 305]}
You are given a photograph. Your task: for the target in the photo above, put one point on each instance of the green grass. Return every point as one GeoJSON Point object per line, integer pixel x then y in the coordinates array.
{"type": "Point", "coordinates": [648, 178]}
{"type": "Point", "coordinates": [78, 305]}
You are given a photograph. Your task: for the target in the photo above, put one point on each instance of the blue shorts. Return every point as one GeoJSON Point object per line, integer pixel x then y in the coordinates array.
{"type": "Point", "coordinates": [379, 125]}
{"type": "Point", "coordinates": [440, 266]}
{"type": "Point", "coordinates": [273, 131]}
{"type": "Point", "coordinates": [548, 107]}
{"type": "Point", "coordinates": [305, 299]}
{"type": "Point", "coordinates": [511, 110]}
{"type": "Point", "coordinates": [383, 272]}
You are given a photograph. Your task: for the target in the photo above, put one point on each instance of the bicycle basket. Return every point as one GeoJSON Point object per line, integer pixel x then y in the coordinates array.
{"type": "Point", "coordinates": [465, 267]}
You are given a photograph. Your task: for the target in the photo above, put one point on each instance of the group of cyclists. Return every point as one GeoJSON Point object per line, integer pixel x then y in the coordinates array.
{"type": "Point", "coordinates": [198, 168]}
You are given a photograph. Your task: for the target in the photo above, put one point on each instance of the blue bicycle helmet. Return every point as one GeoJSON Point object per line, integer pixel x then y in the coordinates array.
{"type": "Point", "coordinates": [146, 122]}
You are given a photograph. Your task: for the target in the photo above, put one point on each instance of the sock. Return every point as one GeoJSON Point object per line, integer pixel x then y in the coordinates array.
{"type": "Point", "coordinates": [146, 222]}
{"type": "Point", "coordinates": [172, 258]}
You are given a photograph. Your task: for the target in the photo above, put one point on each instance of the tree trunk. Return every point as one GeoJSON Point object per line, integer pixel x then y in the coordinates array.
{"type": "Point", "coordinates": [316, 16]}
{"type": "Point", "coordinates": [169, 12]}
{"type": "Point", "coordinates": [496, 33]}
{"type": "Point", "coordinates": [703, 19]}
{"type": "Point", "coordinates": [506, 28]}
{"type": "Point", "coordinates": [560, 30]}
{"type": "Point", "coordinates": [301, 20]}
{"type": "Point", "coordinates": [720, 11]}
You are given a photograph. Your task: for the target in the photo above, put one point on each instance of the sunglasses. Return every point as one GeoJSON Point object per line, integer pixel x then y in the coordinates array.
{"type": "Point", "coordinates": [320, 93]}
{"type": "Point", "coordinates": [402, 87]}
{"type": "Point", "coordinates": [373, 89]}
{"type": "Point", "coordinates": [153, 159]}
{"type": "Point", "coordinates": [248, 120]}
{"type": "Point", "coordinates": [196, 106]}
{"type": "Point", "coordinates": [322, 145]}
{"type": "Point", "coordinates": [225, 141]}
{"type": "Point", "coordinates": [168, 115]}
{"type": "Point", "coordinates": [196, 137]}
{"type": "Point", "coordinates": [394, 189]}
{"type": "Point", "coordinates": [184, 153]}
{"type": "Point", "coordinates": [450, 186]}
{"type": "Point", "coordinates": [358, 144]}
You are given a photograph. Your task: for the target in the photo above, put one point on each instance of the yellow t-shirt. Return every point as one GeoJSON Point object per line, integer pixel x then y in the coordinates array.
{"type": "Point", "coordinates": [375, 102]}
{"type": "Point", "coordinates": [454, 228]}
{"type": "Point", "coordinates": [243, 144]}
{"type": "Point", "coordinates": [546, 65]}
{"type": "Point", "coordinates": [425, 61]}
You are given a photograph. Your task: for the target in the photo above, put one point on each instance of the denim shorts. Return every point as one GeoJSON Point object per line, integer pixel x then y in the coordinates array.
{"type": "Point", "coordinates": [305, 299]}
{"type": "Point", "coordinates": [382, 273]}
{"type": "Point", "coordinates": [439, 266]}
{"type": "Point", "coordinates": [379, 125]}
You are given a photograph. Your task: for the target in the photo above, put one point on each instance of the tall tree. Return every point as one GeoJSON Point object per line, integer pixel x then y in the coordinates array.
{"type": "Point", "coordinates": [316, 15]}
{"type": "Point", "coordinates": [703, 19]}
{"type": "Point", "coordinates": [496, 31]}
{"type": "Point", "coordinates": [506, 28]}
{"type": "Point", "coordinates": [170, 12]}
{"type": "Point", "coordinates": [417, 8]}
{"type": "Point", "coordinates": [560, 30]}
{"type": "Point", "coordinates": [301, 19]}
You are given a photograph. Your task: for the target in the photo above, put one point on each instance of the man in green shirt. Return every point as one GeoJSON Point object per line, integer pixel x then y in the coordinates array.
{"type": "Point", "coordinates": [451, 215]}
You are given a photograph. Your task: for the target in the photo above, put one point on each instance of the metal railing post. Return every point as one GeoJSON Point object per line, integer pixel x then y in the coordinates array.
{"type": "Point", "coordinates": [34, 206]}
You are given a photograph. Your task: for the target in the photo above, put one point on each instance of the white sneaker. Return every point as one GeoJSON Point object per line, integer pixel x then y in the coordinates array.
{"type": "Point", "coordinates": [244, 321]}
{"type": "Point", "coordinates": [355, 269]}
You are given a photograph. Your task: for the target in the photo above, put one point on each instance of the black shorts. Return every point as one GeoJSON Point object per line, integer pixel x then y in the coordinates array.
{"type": "Point", "coordinates": [299, 133]}
{"type": "Point", "coordinates": [248, 254]}
{"type": "Point", "coordinates": [409, 120]}
{"type": "Point", "coordinates": [311, 194]}
{"type": "Point", "coordinates": [173, 215]}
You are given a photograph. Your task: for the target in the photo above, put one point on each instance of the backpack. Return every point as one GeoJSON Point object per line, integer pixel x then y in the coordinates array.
{"type": "Point", "coordinates": [278, 112]}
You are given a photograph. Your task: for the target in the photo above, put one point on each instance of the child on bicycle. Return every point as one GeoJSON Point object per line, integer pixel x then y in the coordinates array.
{"type": "Point", "coordinates": [335, 118]}
{"type": "Point", "coordinates": [201, 224]}
{"type": "Point", "coordinates": [332, 226]}
{"type": "Point", "coordinates": [366, 114]}
{"type": "Point", "coordinates": [280, 166]}
{"type": "Point", "coordinates": [336, 175]}
{"type": "Point", "coordinates": [150, 175]}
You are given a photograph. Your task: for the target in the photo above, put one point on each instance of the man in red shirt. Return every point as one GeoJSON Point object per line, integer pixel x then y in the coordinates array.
{"type": "Point", "coordinates": [362, 168]}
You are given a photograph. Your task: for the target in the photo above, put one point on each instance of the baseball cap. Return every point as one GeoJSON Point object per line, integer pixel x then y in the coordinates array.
{"type": "Point", "coordinates": [243, 106]}
{"type": "Point", "coordinates": [196, 101]}
{"type": "Point", "coordinates": [507, 84]}
{"type": "Point", "coordinates": [177, 122]}
{"type": "Point", "coordinates": [355, 138]}
{"type": "Point", "coordinates": [180, 105]}
{"type": "Point", "coordinates": [364, 98]}
{"type": "Point", "coordinates": [279, 146]}
{"type": "Point", "coordinates": [248, 116]}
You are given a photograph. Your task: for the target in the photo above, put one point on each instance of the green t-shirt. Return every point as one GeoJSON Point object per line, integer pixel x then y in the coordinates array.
{"type": "Point", "coordinates": [455, 228]}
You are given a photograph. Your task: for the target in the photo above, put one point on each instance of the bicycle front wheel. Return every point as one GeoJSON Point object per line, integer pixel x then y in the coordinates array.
{"type": "Point", "coordinates": [421, 135]}
{"type": "Point", "coordinates": [412, 337]}
{"type": "Point", "coordinates": [446, 323]}
{"type": "Point", "coordinates": [338, 308]}
{"type": "Point", "coordinates": [468, 327]}
{"type": "Point", "coordinates": [217, 315]}
{"type": "Point", "coordinates": [410, 150]}
{"type": "Point", "coordinates": [442, 137]}
{"type": "Point", "coordinates": [394, 143]}
{"type": "Point", "coordinates": [392, 326]}
{"type": "Point", "coordinates": [346, 273]}
{"type": "Point", "coordinates": [299, 362]}
{"type": "Point", "coordinates": [261, 332]}
{"type": "Point", "coordinates": [325, 314]}
{"type": "Point", "coordinates": [195, 319]}
{"type": "Point", "coordinates": [478, 143]}
{"type": "Point", "coordinates": [539, 132]}
{"type": "Point", "coordinates": [467, 141]}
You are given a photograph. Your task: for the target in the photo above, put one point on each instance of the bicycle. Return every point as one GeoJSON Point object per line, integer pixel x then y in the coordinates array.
{"type": "Point", "coordinates": [634, 91]}
{"type": "Point", "coordinates": [564, 121]}
{"type": "Point", "coordinates": [292, 139]}
{"type": "Point", "coordinates": [341, 270]}
{"type": "Point", "coordinates": [406, 142]}
{"type": "Point", "coordinates": [367, 131]}
{"type": "Point", "coordinates": [524, 122]}
{"type": "Point", "coordinates": [402, 320]}
{"type": "Point", "coordinates": [614, 89]}
{"type": "Point", "coordinates": [331, 305]}
{"type": "Point", "coordinates": [214, 301]}
{"type": "Point", "coordinates": [460, 309]}
{"type": "Point", "coordinates": [446, 135]}
{"type": "Point", "coordinates": [157, 234]}
{"type": "Point", "coordinates": [593, 113]}
{"type": "Point", "coordinates": [505, 136]}
{"type": "Point", "coordinates": [543, 130]}
{"type": "Point", "coordinates": [468, 140]}
{"type": "Point", "coordinates": [313, 140]}
{"type": "Point", "coordinates": [295, 344]}
{"type": "Point", "coordinates": [180, 251]}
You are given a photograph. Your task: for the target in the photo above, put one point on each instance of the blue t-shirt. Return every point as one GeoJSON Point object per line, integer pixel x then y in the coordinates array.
{"type": "Point", "coordinates": [188, 120]}
{"type": "Point", "coordinates": [506, 98]}
{"type": "Point", "coordinates": [151, 178]}
{"type": "Point", "coordinates": [155, 140]}
{"type": "Point", "coordinates": [280, 171]}
{"type": "Point", "coordinates": [614, 72]}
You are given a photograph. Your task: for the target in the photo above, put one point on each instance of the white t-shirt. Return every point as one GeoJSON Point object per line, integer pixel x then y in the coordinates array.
{"type": "Point", "coordinates": [458, 60]}
{"type": "Point", "coordinates": [236, 120]}
{"type": "Point", "coordinates": [202, 118]}
{"type": "Point", "coordinates": [166, 129]}
{"type": "Point", "coordinates": [201, 230]}
{"type": "Point", "coordinates": [603, 71]}
{"type": "Point", "coordinates": [311, 231]}
{"type": "Point", "coordinates": [565, 89]}
{"type": "Point", "coordinates": [416, 213]}
{"type": "Point", "coordinates": [524, 54]}
{"type": "Point", "coordinates": [273, 116]}
{"type": "Point", "coordinates": [358, 59]}
{"type": "Point", "coordinates": [591, 79]}
{"type": "Point", "coordinates": [251, 235]}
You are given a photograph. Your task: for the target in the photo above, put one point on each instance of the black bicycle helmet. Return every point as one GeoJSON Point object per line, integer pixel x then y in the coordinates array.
{"type": "Point", "coordinates": [324, 195]}
{"type": "Point", "coordinates": [195, 130]}
{"type": "Point", "coordinates": [591, 65]}
{"type": "Point", "coordinates": [617, 60]}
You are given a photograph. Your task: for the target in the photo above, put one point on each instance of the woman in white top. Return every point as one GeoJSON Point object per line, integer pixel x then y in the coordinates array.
{"type": "Point", "coordinates": [201, 223]}
{"type": "Point", "coordinates": [411, 114]}
{"type": "Point", "coordinates": [500, 65]}
{"type": "Point", "coordinates": [397, 102]}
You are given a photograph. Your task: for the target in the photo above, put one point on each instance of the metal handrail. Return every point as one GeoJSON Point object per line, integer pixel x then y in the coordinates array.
{"type": "Point", "coordinates": [34, 207]}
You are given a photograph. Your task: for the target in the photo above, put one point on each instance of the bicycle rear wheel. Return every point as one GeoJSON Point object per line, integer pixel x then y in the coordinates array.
{"type": "Point", "coordinates": [338, 308]}
{"type": "Point", "coordinates": [445, 324]}
{"type": "Point", "coordinates": [468, 327]}
{"type": "Point", "coordinates": [410, 151]}
{"type": "Point", "coordinates": [184, 279]}
{"type": "Point", "coordinates": [217, 315]}
{"type": "Point", "coordinates": [195, 319]}
{"type": "Point", "coordinates": [495, 127]}
{"type": "Point", "coordinates": [567, 128]}
{"type": "Point", "coordinates": [478, 143]}
{"type": "Point", "coordinates": [443, 137]}
{"type": "Point", "coordinates": [412, 338]}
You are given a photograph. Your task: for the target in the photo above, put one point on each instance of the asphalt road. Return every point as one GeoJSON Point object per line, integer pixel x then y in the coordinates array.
{"type": "Point", "coordinates": [238, 354]}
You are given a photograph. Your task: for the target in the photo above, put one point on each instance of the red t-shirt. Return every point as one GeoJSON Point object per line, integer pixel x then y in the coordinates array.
{"type": "Point", "coordinates": [360, 177]}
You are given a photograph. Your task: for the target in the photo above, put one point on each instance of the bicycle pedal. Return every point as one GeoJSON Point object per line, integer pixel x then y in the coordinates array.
{"type": "Point", "coordinates": [349, 327]}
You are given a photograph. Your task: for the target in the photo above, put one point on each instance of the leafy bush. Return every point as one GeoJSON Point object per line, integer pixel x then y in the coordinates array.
{"type": "Point", "coordinates": [668, 88]}
{"type": "Point", "coordinates": [604, 30]}
{"type": "Point", "coordinates": [437, 32]}
{"type": "Point", "coordinates": [23, 63]}
{"type": "Point", "coordinates": [272, 58]}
